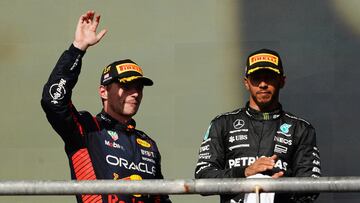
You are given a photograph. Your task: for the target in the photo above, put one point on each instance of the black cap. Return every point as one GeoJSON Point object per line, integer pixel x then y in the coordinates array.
{"type": "Point", "coordinates": [123, 71]}
{"type": "Point", "coordinates": [264, 59]}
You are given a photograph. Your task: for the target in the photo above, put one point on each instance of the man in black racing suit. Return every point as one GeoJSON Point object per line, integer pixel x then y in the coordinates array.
{"type": "Point", "coordinates": [260, 138]}
{"type": "Point", "coordinates": [106, 146]}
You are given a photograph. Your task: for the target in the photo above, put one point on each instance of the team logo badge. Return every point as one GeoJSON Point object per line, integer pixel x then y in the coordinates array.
{"type": "Point", "coordinates": [113, 135]}
{"type": "Point", "coordinates": [285, 128]}
{"type": "Point", "coordinates": [238, 123]}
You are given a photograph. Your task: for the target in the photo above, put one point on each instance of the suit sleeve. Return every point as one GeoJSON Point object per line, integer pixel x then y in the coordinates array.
{"type": "Point", "coordinates": [56, 97]}
{"type": "Point", "coordinates": [212, 161]}
{"type": "Point", "coordinates": [306, 162]}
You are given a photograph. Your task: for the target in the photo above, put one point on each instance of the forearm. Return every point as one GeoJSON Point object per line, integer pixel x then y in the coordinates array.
{"type": "Point", "coordinates": [58, 88]}
{"type": "Point", "coordinates": [210, 170]}
{"type": "Point", "coordinates": [306, 163]}
{"type": "Point", "coordinates": [56, 95]}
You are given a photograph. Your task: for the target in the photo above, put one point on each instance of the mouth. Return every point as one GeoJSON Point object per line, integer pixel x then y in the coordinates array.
{"type": "Point", "coordinates": [133, 102]}
{"type": "Point", "coordinates": [263, 92]}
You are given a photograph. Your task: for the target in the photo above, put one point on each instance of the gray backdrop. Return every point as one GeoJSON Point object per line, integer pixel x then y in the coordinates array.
{"type": "Point", "coordinates": [195, 52]}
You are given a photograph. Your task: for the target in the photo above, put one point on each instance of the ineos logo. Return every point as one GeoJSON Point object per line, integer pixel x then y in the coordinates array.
{"type": "Point", "coordinates": [238, 123]}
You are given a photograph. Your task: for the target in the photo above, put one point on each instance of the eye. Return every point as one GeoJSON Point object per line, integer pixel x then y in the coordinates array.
{"type": "Point", "coordinates": [132, 85]}
{"type": "Point", "coordinates": [125, 86]}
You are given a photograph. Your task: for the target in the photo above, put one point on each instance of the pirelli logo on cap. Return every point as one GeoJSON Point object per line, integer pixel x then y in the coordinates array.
{"type": "Point", "coordinates": [263, 58]}
{"type": "Point", "coordinates": [128, 67]}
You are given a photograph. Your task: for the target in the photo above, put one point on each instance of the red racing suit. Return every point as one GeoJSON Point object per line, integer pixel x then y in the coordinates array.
{"type": "Point", "coordinates": [236, 139]}
{"type": "Point", "coordinates": [98, 147]}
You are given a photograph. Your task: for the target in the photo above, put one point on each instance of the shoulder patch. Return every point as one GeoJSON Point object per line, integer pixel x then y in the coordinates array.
{"type": "Point", "coordinates": [206, 135]}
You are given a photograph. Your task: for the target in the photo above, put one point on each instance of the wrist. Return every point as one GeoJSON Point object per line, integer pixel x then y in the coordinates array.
{"type": "Point", "coordinates": [76, 50]}
{"type": "Point", "coordinates": [246, 173]}
{"type": "Point", "coordinates": [249, 172]}
{"type": "Point", "coordinates": [80, 46]}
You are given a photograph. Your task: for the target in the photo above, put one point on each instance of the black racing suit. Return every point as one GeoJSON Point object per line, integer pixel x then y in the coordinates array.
{"type": "Point", "coordinates": [98, 147]}
{"type": "Point", "coordinates": [236, 139]}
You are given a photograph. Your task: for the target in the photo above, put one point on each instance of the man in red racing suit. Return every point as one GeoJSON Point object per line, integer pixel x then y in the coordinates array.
{"type": "Point", "coordinates": [107, 146]}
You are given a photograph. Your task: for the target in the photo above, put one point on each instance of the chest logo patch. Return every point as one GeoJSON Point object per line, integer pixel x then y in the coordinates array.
{"type": "Point", "coordinates": [285, 128]}
{"type": "Point", "coordinates": [113, 135]}
{"type": "Point", "coordinates": [143, 143]}
{"type": "Point", "coordinates": [238, 123]}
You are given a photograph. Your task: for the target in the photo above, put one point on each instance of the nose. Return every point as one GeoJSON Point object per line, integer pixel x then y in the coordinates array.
{"type": "Point", "coordinates": [134, 92]}
{"type": "Point", "coordinates": [263, 84]}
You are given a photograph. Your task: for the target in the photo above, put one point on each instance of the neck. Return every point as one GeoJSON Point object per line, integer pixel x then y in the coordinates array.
{"type": "Point", "coordinates": [120, 118]}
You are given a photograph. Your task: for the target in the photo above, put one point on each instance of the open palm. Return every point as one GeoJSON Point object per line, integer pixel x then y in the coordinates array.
{"type": "Point", "coordinates": [85, 34]}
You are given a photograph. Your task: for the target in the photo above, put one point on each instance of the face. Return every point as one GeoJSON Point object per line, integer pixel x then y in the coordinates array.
{"type": "Point", "coordinates": [122, 100]}
{"type": "Point", "coordinates": [264, 86]}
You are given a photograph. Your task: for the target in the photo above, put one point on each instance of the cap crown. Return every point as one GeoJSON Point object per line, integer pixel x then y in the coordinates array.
{"type": "Point", "coordinates": [123, 71]}
{"type": "Point", "coordinates": [264, 59]}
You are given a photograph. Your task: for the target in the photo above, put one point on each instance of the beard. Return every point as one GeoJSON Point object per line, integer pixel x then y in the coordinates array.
{"type": "Point", "coordinates": [266, 102]}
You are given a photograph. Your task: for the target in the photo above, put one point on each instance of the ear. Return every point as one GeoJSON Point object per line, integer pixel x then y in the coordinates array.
{"type": "Point", "coordinates": [103, 93]}
{"type": "Point", "coordinates": [282, 81]}
{"type": "Point", "coordinates": [246, 83]}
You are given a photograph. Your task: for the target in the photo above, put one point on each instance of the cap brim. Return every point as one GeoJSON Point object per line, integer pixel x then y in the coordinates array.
{"type": "Point", "coordinates": [146, 81]}
{"type": "Point", "coordinates": [261, 68]}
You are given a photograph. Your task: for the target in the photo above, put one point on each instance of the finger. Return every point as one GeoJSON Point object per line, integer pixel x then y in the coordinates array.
{"type": "Point", "coordinates": [278, 174]}
{"type": "Point", "coordinates": [101, 34]}
{"type": "Point", "coordinates": [91, 15]}
{"type": "Point", "coordinates": [97, 20]}
{"type": "Point", "coordinates": [274, 157]}
{"type": "Point", "coordinates": [86, 17]}
{"type": "Point", "coordinates": [261, 168]}
{"type": "Point", "coordinates": [265, 161]}
{"type": "Point", "coordinates": [82, 19]}
{"type": "Point", "coordinates": [267, 167]}
{"type": "Point", "coordinates": [95, 23]}
{"type": "Point", "coordinates": [267, 158]}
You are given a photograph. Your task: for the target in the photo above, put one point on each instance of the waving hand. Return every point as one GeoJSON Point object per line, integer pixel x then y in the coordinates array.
{"type": "Point", "coordinates": [85, 34]}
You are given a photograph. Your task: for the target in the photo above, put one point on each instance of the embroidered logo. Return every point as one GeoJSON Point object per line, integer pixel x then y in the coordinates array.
{"type": "Point", "coordinates": [285, 128]}
{"type": "Point", "coordinates": [143, 143]}
{"type": "Point", "coordinates": [113, 135]}
{"type": "Point", "coordinates": [238, 123]}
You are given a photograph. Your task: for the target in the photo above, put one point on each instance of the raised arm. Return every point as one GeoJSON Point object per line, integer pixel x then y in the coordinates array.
{"type": "Point", "coordinates": [57, 91]}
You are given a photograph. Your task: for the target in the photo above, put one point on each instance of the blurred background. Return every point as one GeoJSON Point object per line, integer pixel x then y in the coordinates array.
{"type": "Point", "coordinates": [195, 52]}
